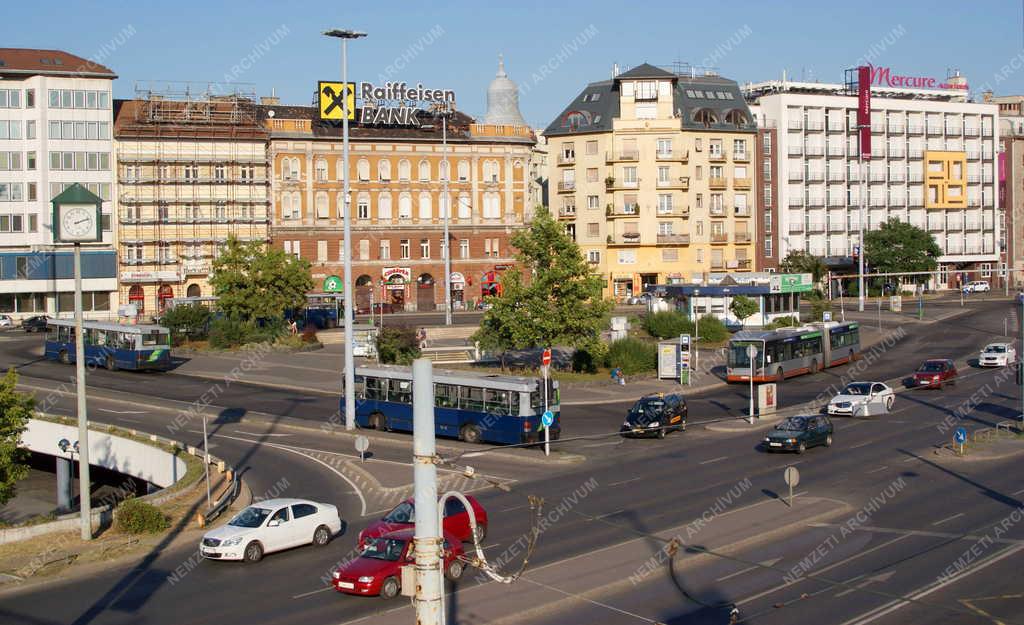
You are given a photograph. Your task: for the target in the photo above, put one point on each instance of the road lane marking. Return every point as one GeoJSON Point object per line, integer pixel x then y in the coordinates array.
{"type": "Point", "coordinates": [525, 505]}
{"type": "Point", "coordinates": [129, 420]}
{"type": "Point", "coordinates": [911, 459]}
{"type": "Point", "coordinates": [257, 434]}
{"type": "Point", "coordinates": [759, 565]}
{"type": "Point", "coordinates": [314, 592]}
{"type": "Point", "coordinates": [926, 533]}
{"type": "Point", "coordinates": [359, 493]}
{"type": "Point", "coordinates": [864, 444]}
{"type": "Point", "coordinates": [623, 482]}
{"type": "Point", "coordinates": [1019, 492]}
{"type": "Point", "coordinates": [594, 445]}
{"type": "Point", "coordinates": [121, 411]}
{"type": "Point", "coordinates": [876, 470]}
{"type": "Point", "coordinates": [605, 516]}
{"type": "Point", "coordinates": [719, 459]}
{"type": "Point", "coordinates": [881, 578]}
{"type": "Point", "coordinates": [950, 518]}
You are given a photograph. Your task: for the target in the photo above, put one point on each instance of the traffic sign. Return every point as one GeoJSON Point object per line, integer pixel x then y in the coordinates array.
{"type": "Point", "coordinates": [960, 435]}
{"type": "Point", "coordinates": [547, 419]}
{"type": "Point", "coordinates": [362, 444]}
{"type": "Point", "coordinates": [332, 106]}
{"type": "Point", "coordinates": [545, 358]}
{"type": "Point", "coordinates": [792, 476]}
{"type": "Point", "coordinates": [333, 284]}
{"type": "Point", "coordinates": [826, 316]}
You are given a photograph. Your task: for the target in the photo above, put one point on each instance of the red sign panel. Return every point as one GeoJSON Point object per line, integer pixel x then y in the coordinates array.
{"type": "Point", "coordinates": [545, 358]}
{"type": "Point", "coordinates": [883, 77]}
{"type": "Point", "coordinates": [864, 110]}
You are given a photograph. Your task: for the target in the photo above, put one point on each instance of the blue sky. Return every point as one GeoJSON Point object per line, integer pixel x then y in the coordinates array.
{"type": "Point", "coordinates": [551, 49]}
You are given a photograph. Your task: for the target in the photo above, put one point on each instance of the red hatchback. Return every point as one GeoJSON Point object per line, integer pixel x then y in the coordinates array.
{"type": "Point", "coordinates": [378, 569]}
{"type": "Point", "coordinates": [456, 520]}
{"type": "Point", "coordinates": [935, 373]}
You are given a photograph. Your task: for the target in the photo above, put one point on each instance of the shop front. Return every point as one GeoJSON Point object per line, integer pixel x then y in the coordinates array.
{"type": "Point", "coordinates": [396, 284]}
{"type": "Point", "coordinates": [458, 284]}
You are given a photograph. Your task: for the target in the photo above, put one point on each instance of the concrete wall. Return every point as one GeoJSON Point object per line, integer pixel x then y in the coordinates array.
{"type": "Point", "coordinates": [126, 456]}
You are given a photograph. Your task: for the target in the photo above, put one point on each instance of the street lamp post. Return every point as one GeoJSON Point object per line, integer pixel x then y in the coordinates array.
{"type": "Point", "coordinates": [696, 333]}
{"type": "Point", "coordinates": [346, 255]}
{"type": "Point", "coordinates": [751, 354]}
{"type": "Point", "coordinates": [447, 217]}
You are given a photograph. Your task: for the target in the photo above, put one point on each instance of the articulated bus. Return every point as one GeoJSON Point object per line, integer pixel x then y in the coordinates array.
{"type": "Point", "coordinates": [787, 352]}
{"type": "Point", "coordinates": [474, 407]}
{"type": "Point", "coordinates": [110, 345]}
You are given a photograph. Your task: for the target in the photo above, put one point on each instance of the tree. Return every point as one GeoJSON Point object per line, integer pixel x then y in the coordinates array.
{"type": "Point", "coordinates": [15, 411]}
{"type": "Point", "coordinates": [187, 322]}
{"type": "Point", "coordinates": [559, 304]}
{"type": "Point", "coordinates": [255, 282]}
{"type": "Point", "coordinates": [799, 261]}
{"type": "Point", "coordinates": [397, 345]}
{"type": "Point", "coordinates": [743, 307]}
{"type": "Point", "coordinates": [898, 247]}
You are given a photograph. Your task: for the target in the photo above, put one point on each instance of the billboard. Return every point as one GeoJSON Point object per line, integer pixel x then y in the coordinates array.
{"type": "Point", "coordinates": [864, 110]}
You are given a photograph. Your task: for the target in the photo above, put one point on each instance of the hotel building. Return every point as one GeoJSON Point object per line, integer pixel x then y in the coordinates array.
{"type": "Point", "coordinates": [55, 130]}
{"type": "Point", "coordinates": [652, 174]}
{"type": "Point", "coordinates": [932, 164]}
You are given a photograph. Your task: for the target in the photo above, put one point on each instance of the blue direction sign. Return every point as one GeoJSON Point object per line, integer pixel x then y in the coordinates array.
{"type": "Point", "coordinates": [960, 435]}
{"type": "Point", "coordinates": [547, 419]}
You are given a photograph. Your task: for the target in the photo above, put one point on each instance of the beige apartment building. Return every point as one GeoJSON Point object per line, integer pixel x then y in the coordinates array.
{"type": "Point", "coordinates": [192, 171]}
{"type": "Point", "coordinates": [652, 172]}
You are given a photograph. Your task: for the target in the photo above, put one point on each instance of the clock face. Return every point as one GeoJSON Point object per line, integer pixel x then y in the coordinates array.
{"type": "Point", "coordinates": [78, 223]}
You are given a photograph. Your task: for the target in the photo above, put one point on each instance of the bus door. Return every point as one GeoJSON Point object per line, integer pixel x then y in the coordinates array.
{"type": "Point", "coordinates": [446, 409]}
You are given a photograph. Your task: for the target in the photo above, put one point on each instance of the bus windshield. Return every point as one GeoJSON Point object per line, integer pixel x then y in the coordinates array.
{"type": "Point", "coordinates": [738, 354]}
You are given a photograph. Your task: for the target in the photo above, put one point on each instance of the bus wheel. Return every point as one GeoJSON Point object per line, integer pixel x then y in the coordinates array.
{"type": "Point", "coordinates": [111, 365]}
{"type": "Point", "coordinates": [65, 357]}
{"type": "Point", "coordinates": [377, 421]}
{"type": "Point", "coordinates": [780, 376]}
{"type": "Point", "coordinates": [814, 366]}
{"type": "Point", "coordinates": [470, 433]}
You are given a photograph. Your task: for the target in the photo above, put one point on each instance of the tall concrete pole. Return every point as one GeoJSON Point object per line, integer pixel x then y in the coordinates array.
{"type": "Point", "coordinates": [84, 484]}
{"type": "Point", "coordinates": [863, 227]}
{"type": "Point", "coordinates": [447, 247]}
{"type": "Point", "coordinates": [426, 538]}
{"type": "Point", "coordinates": [350, 367]}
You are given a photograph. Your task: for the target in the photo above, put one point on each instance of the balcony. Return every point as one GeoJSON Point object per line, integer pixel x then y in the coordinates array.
{"type": "Point", "coordinates": [717, 183]}
{"type": "Point", "coordinates": [567, 213]}
{"type": "Point", "coordinates": [816, 226]}
{"type": "Point", "coordinates": [954, 224]}
{"type": "Point", "coordinates": [625, 156]}
{"type": "Point", "coordinates": [986, 131]}
{"type": "Point", "coordinates": [877, 176]}
{"type": "Point", "coordinates": [973, 202]}
{"type": "Point", "coordinates": [674, 156]}
{"type": "Point", "coordinates": [836, 225]}
{"type": "Point", "coordinates": [854, 226]}
{"type": "Point", "coordinates": [796, 124]}
{"type": "Point", "coordinates": [675, 211]}
{"type": "Point", "coordinates": [815, 150]}
{"type": "Point", "coordinates": [972, 224]}
{"type": "Point", "coordinates": [973, 155]}
{"type": "Point", "coordinates": [877, 128]}
{"type": "Point", "coordinates": [740, 263]}
{"type": "Point", "coordinates": [796, 227]}
{"type": "Point", "coordinates": [717, 157]}
{"type": "Point", "coordinates": [741, 212]}
{"type": "Point", "coordinates": [972, 131]}
{"type": "Point", "coordinates": [741, 157]}
{"type": "Point", "coordinates": [815, 176]}
{"type": "Point", "coordinates": [934, 130]}
{"type": "Point", "coordinates": [614, 184]}
{"type": "Point", "coordinates": [895, 129]}
{"type": "Point", "coordinates": [986, 155]}
{"type": "Point", "coordinates": [986, 178]}
{"type": "Point", "coordinates": [954, 130]}
{"type": "Point", "coordinates": [973, 178]}
{"type": "Point", "coordinates": [878, 202]}
{"type": "Point", "coordinates": [796, 202]}
{"type": "Point", "coordinates": [682, 182]}
{"type": "Point", "coordinates": [896, 176]}
{"type": "Point", "coordinates": [717, 263]}
{"type": "Point", "coordinates": [836, 150]}
{"type": "Point", "coordinates": [741, 183]}
{"type": "Point", "coordinates": [796, 175]}
{"type": "Point", "coordinates": [834, 126]}
{"type": "Point", "coordinates": [935, 225]}
{"type": "Point", "coordinates": [896, 152]}
{"type": "Point", "coordinates": [717, 211]}
{"type": "Point", "coordinates": [673, 239]}
{"type": "Point", "coordinates": [796, 150]}
{"type": "Point", "coordinates": [566, 159]}
{"type": "Point", "coordinates": [718, 238]}
{"type": "Point", "coordinates": [915, 153]}
{"type": "Point", "coordinates": [814, 125]}
{"type": "Point", "coordinates": [915, 202]}
{"type": "Point", "coordinates": [915, 129]}
{"type": "Point", "coordinates": [566, 187]}
{"type": "Point", "coordinates": [915, 176]}
{"type": "Point", "coordinates": [837, 202]}
{"type": "Point", "coordinates": [626, 210]}
{"type": "Point", "coordinates": [837, 176]}
{"type": "Point", "coordinates": [742, 237]}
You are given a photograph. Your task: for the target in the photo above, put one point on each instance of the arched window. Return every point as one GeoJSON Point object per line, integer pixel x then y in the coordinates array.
{"type": "Point", "coordinates": [444, 202]}
{"type": "Point", "coordinates": [405, 206]}
{"type": "Point", "coordinates": [426, 207]}
{"type": "Point", "coordinates": [321, 170]}
{"type": "Point", "coordinates": [465, 209]}
{"type": "Point", "coordinates": [736, 118]}
{"type": "Point", "coordinates": [164, 295]}
{"type": "Point", "coordinates": [706, 117]}
{"type": "Point", "coordinates": [296, 205]}
{"type": "Point", "coordinates": [463, 171]}
{"type": "Point", "coordinates": [363, 206]}
{"type": "Point", "coordinates": [341, 205]}
{"type": "Point", "coordinates": [442, 170]}
{"type": "Point", "coordinates": [294, 168]}
{"type": "Point", "coordinates": [137, 296]}
{"type": "Point", "coordinates": [286, 205]}
{"type": "Point", "coordinates": [323, 206]}
{"type": "Point", "coordinates": [193, 291]}
{"type": "Point", "coordinates": [384, 206]}
{"type": "Point", "coordinates": [492, 205]}
{"type": "Point", "coordinates": [491, 171]}
{"type": "Point", "coordinates": [363, 170]}
{"type": "Point", "coordinates": [364, 280]}
{"type": "Point", "coordinates": [404, 170]}
{"type": "Point", "coordinates": [384, 170]}
{"type": "Point", "coordinates": [424, 170]}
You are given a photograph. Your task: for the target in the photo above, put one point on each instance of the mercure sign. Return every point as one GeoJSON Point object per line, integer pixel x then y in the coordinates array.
{"type": "Point", "coordinates": [883, 77]}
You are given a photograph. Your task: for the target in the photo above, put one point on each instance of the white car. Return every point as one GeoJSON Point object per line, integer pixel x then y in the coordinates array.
{"type": "Point", "coordinates": [858, 398]}
{"type": "Point", "coordinates": [271, 525]}
{"type": "Point", "coordinates": [997, 355]}
{"type": "Point", "coordinates": [6, 321]}
{"type": "Point", "coordinates": [977, 286]}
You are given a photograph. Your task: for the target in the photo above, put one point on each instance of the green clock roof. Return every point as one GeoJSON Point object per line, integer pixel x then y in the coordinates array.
{"type": "Point", "coordinates": [77, 194]}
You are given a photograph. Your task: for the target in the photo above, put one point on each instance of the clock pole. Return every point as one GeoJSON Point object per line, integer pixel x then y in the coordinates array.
{"type": "Point", "coordinates": [84, 485]}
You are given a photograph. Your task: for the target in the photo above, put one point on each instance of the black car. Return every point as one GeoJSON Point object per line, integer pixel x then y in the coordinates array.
{"type": "Point", "coordinates": [799, 433]}
{"type": "Point", "coordinates": [655, 415]}
{"type": "Point", "coordinates": [34, 324]}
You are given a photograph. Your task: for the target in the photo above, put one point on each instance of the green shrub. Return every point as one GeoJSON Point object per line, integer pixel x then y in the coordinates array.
{"type": "Point", "coordinates": [229, 332]}
{"type": "Point", "coordinates": [667, 324]}
{"type": "Point", "coordinates": [309, 335]}
{"type": "Point", "coordinates": [783, 322]}
{"type": "Point", "coordinates": [138, 517]}
{"type": "Point", "coordinates": [189, 322]}
{"type": "Point", "coordinates": [632, 356]}
{"type": "Point", "coordinates": [819, 306]}
{"type": "Point", "coordinates": [397, 345]}
{"type": "Point", "coordinates": [588, 359]}
{"type": "Point", "coordinates": [712, 329]}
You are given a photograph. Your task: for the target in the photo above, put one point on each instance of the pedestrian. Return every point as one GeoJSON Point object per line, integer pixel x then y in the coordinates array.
{"type": "Point", "coordinates": [421, 337]}
{"type": "Point", "coordinates": [617, 376]}
{"type": "Point", "coordinates": [293, 327]}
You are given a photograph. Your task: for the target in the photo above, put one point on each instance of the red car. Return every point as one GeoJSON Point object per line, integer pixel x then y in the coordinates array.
{"type": "Point", "coordinates": [456, 520]}
{"type": "Point", "coordinates": [378, 569]}
{"type": "Point", "coordinates": [935, 373]}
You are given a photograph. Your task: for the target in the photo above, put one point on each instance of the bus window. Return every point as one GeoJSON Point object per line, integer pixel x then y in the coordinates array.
{"type": "Point", "coordinates": [471, 398]}
{"type": "Point", "coordinates": [376, 388]}
{"type": "Point", "coordinates": [64, 334]}
{"type": "Point", "coordinates": [400, 391]}
{"type": "Point", "coordinates": [152, 339]}
{"type": "Point", "coordinates": [360, 386]}
{"type": "Point", "coordinates": [446, 395]}
{"type": "Point", "coordinates": [514, 406]}
{"type": "Point", "coordinates": [496, 402]}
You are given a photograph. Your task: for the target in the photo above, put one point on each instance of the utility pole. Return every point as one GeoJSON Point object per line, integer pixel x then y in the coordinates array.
{"type": "Point", "coordinates": [863, 226]}
{"type": "Point", "coordinates": [447, 203]}
{"type": "Point", "coordinates": [84, 482]}
{"type": "Point", "coordinates": [426, 538]}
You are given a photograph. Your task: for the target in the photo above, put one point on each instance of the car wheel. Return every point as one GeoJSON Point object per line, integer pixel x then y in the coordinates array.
{"type": "Point", "coordinates": [828, 441]}
{"type": "Point", "coordinates": [377, 421]}
{"type": "Point", "coordinates": [889, 401]}
{"type": "Point", "coordinates": [253, 552]}
{"type": "Point", "coordinates": [65, 357]}
{"type": "Point", "coordinates": [801, 448]}
{"type": "Point", "coordinates": [455, 570]}
{"type": "Point", "coordinates": [110, 363]}
{"type": "Point", "coordinates": [321, 536]}
{"type": "Point", "coordinates": [389, 589]}
{"type": "Point", "coordinates": [661, 432]}
{"type": "Point", "coordinates": [470, 433]}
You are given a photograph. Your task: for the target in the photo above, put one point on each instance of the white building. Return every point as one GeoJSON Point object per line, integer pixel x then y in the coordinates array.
{"type": "Point", "coordinates": [55, 129]}
{"type": "Point", "coordinates": [932, 165]}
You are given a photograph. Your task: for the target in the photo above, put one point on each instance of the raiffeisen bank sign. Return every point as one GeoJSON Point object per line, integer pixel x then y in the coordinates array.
{"type": "Point", "coordinates": [397, 104]}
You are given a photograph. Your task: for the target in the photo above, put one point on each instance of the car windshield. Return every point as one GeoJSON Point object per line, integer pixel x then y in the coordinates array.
{"type": "Point", "coordinates": [857, 388]}
{"type": "Point", "coordinates": [389, 549]}
{"type": "Point", "coordinates": [931, 366]}
{"type": "Point", "coordinates": [648, 408]}
{"type": "Point", "coordinates": [250, 517]}
{"type": "Point", "coordinates": [793, 424]}
{"type": "Point", "coordinates": [403, 513]}
{"type": "Point", "coordinates": [995, 349]}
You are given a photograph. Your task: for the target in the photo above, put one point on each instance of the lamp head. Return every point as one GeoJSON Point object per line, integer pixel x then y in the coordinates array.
{"type": "Point", "coordinates": [343, 34]}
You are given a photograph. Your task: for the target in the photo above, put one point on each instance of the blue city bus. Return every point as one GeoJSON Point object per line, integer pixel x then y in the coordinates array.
{"type": "Point", "coordinates": [474, 407]}
{"type": "Point", "coordinates": [111, 345]}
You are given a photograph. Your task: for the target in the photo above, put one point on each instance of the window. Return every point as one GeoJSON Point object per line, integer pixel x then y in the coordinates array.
{"type": "Point", "coordinates": [593, 201]}
{"type": "Point", "coordinates": [363, 170]}
{"type": "Point", "coordinates": [715, 148]}
{"type": "Point", "coordinates": [405, 250]}
{"type": "Point", "coordinates": [591, 147]}
{"type": "Point", "coordinates": [627, 257]}
{"type": "Point", "coordinates": [664, 227]}
{"type": "Point", "coordinates": [766, 144]}
{"type": "Point", "coordinates": [220, 173]}
{"type": "Point", "coordinates": [739, 148]}
{"type": "Point", "coordinates": [442, 170]}
{"type": "Point", "coordinates": [491, 171]}
{"type": "Point", "coordinates": [303, 509]}
{"type": "Point", "coordinates": [32, 193]}
{"type": "Point", "coordinates": [592, 174]}
{"type": "Point", "coordinates": [629, 175]}
{"type": "Point", "coordinates": [30, 161]}
{"type": "Point", "coordinates": [384, 206]}
{"type": "Point", "coordinates": [426, 207]}
{"type": "Point", "coordinates": [425, 248]}
{"type": "Point", "coordinates": [405, 206]}
{"type": "Point", "coordinates": [663, 174]}
{"type": "Point", "coordinates": [594, 256]}
{"type": "Point", "coordinates": [363, 206]}
{"type": "Point", "coordinates": [463, 171]}
{"type": "Point", "coordinates": [593, 230]}
{"type": "Point", "coordinates": [323, 207]}
{"type": "Point", "coordinates": [664, 147]}
{"type": "Point", "coordinates": [492, 205]}
{"type": "Point", "coordinates": [404, 170]}
{"type": "Point", "coordinates": [384, 250]}
{"type": "Point", "coordinates": [424, 171]}
{"type": "Point", "coordinates": [465, 210]}
{"type": "Point", "coordinates": [384, 170]}
{"type": "Point", "coordinates": [321, 170]}
{"type": "Point", "coordinates": [220, 211]}
{"type": "Point", "coordinates": [669, 254]}
{"type": "Point", "coordinates": [768, 248]}
{"type": "Point", "coordinates": [646, 90]}
{"type": "Point", "coordinates": [321, 251]}
{"type": "Point", "coordinates": [665, 203]}
{"type": "Point", "coordinates": [463, 248]}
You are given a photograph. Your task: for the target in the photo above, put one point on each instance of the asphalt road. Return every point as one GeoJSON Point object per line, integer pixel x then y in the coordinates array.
{"type": "Point", "coordinates": [637, 487]}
